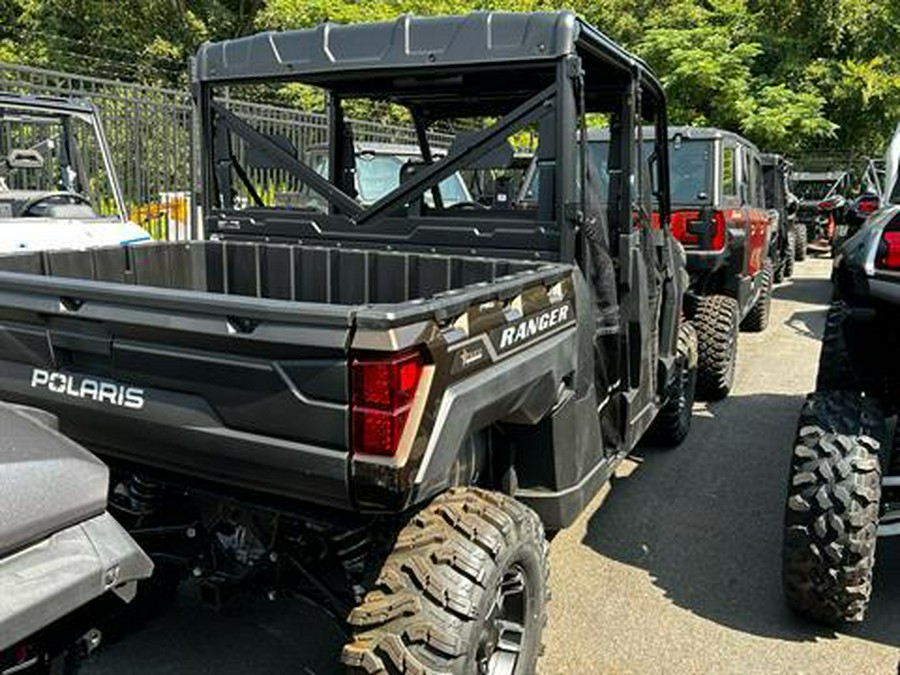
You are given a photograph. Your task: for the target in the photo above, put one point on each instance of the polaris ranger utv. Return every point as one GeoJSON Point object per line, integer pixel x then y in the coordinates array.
{"type": "Point", "coordinates": [384, 406]}
{"type": "Point", "coordinates": [719, 216]}
{"type": "Point", "coordinates": [844, 484]}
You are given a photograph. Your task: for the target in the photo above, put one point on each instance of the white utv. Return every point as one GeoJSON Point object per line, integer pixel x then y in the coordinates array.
{"type": "Point", "coordinates": [58, 187]}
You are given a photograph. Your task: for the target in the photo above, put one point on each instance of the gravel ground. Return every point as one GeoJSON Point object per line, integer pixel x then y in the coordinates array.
{"type": "Point", "coordinates": [676, 572]}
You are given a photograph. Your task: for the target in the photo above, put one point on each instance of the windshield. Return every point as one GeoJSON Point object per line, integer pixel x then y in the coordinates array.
{"type": "Point", "coordinates": [379, 174]}
{"type": "Point", "coordinates": [689, 168]}
{"type": "Point", "coordinates": [812, 189]}
{"type": "Point", "coordinates": [43, 153]}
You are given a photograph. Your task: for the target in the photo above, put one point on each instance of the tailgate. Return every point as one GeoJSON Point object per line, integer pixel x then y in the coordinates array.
{"type": "Point", "coordinates": [244, 390]}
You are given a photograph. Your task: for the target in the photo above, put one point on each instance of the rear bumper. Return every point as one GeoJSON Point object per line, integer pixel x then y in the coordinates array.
{"type": "Point", "coordinates": [48, 580]}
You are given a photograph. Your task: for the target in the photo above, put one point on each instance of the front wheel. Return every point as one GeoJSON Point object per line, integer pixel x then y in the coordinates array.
{"type": "Point", "coordinates": [464, 591]}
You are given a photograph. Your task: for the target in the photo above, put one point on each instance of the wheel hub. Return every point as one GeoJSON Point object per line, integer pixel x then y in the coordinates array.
{"type": "Point", "coordinates": [504, 633]}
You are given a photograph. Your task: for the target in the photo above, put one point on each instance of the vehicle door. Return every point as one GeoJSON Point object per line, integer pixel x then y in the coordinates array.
{"type": "Point", "coordinates": [734, 195]}
{"type": "Point", "coordinates": [756, 214]}
{"type": "Point", "coordinates": [648, 290]}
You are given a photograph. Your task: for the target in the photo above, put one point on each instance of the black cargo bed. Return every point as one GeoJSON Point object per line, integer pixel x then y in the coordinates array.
{"type": "Point", "coordinates": [239, 350]}
{"type": "Point", "coordinates": [320, 283]}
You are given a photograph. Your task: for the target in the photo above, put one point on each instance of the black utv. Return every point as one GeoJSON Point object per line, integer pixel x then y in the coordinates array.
{"type": "Point", "coordinates": [782, 206]}
{"type": "Point", "coordinates": [844, 485]}
{"type": "Point", "coordinates": [382, 405]}
{"type": "Point", "coordinates": [821, 213]}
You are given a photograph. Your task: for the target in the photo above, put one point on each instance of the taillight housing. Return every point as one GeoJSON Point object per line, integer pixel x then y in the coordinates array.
{"type": "Point", "coordinates": [888, 256]}
{"type": "Point", "coordinates": [383, 388]}
{"type": "Point", "coordinates": [692, 228]}
{"type": "Point", "coordinates": [868, 205]}
{"type": "Point", "coordinates": [717, 240]}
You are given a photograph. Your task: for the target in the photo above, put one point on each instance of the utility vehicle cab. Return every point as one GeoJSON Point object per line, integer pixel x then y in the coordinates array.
{"type": "Point", "coordinates": [58, 188]}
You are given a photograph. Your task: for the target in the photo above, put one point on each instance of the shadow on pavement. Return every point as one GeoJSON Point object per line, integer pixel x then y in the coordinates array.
{"type": "Point", "coordinates": [812, 291]}
{"type": "Point", "coordinates": [705, 521]}
{"type": "Point", "coordinates": [282, 637]}
{"type": "Point", "coordinates": [807, 324]}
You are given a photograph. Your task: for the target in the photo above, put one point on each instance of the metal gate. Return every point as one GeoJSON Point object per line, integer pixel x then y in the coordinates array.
{"type": "Point", "coordinates": [152, 139]}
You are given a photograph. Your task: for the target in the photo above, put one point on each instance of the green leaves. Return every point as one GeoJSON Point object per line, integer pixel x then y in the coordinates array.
{"type": "Point", "coordinates": [789, 74]}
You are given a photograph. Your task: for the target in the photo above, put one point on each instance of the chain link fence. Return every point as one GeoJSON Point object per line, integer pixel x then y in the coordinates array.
{"type": "Point", "coordinates": [151, 133]}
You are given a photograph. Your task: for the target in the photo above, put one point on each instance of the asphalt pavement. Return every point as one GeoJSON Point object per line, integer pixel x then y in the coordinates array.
{"type": "Point", "coordinates": [673, 569]}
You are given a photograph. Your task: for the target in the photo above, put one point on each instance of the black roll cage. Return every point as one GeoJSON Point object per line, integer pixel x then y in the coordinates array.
{"type": "Point", "coordinates": [557, 109]}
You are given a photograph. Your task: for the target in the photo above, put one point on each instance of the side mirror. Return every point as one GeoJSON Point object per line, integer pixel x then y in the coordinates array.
{"type": "Point", "coordinates": [21, 158]}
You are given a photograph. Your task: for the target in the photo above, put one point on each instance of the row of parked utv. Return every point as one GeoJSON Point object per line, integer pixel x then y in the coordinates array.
{"type": "Point", "coordinates": [385, 399]}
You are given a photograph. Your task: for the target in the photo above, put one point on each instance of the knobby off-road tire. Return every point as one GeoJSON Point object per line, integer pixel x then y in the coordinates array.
{"type": "Point", "coordinates": [778, 273]}
{"type": "Point", "coordinates": [716, 322]}
{"type": "Point", "coordinates": [464, 571]}
{"type": "Point", "coordinates": [673, 422]}
{"type": "Point", "coordinates": [800, 241]}
{"type": "Point", "coordinates": [757, 318]}
{"type": "Point", "coordinates": [835, 364]}
{"type": "Point", "coordinates": [791, 254]}
{"type": "Point", "coordinates": [832, 509]}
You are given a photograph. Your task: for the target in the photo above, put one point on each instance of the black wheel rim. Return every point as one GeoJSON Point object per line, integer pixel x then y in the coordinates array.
{"type": "Point", "coordinates": [504, 635]}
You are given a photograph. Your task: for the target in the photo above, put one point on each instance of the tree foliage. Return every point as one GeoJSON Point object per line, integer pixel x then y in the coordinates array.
{"type": "Point", "coordinates": [789, 74]}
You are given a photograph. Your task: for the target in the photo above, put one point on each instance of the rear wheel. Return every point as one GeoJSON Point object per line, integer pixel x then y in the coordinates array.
{"type": "Point", "coordinates": [832, 509]}
{"type": "Point", "coordinates": [801, 240]}
{"type": "Point", "coordinates": [791, 254]}
{"type": "Point", "coordinates": [673, 422]}
{"type": "Point", "coordinates": [757, 318]}
{"type": "Point", "coordinates": [716, 322]}
{"type": "Point", "coordinates": [464, 591]}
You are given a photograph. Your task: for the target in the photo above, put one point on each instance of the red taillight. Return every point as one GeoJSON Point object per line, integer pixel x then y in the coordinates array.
{"type": "Point", "coordinates": [717, 241]}
{"type": "Point", "coordinates": [889, 251]}
{"type": "Point", "coordinates": [383, 389]}
{"type": "Point", "coordinates": [868, 205]}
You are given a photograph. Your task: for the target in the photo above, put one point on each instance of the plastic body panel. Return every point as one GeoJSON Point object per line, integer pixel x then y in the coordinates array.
{"type": "Point", "coordinates": [67, 570]}
{"type": "Point", "coordinates": [35, 500]}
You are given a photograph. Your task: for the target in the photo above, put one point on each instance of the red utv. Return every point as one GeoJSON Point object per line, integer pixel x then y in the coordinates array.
{"type": "Point", "coordinates": [719, 215]}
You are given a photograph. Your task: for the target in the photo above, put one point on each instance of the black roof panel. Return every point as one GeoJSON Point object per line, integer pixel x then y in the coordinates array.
{"type": "Point", "coordinates": [328, 51]}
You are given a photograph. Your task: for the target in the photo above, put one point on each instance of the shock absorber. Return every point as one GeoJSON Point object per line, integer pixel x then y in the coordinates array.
{"type": "Point", "coordinates": [134, 500]}
{"type": "Point", "coordinates": [352, 548]}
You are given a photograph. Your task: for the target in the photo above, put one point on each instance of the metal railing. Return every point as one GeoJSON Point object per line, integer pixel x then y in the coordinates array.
{"type": "Point", "coordinates": [150, 131]}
